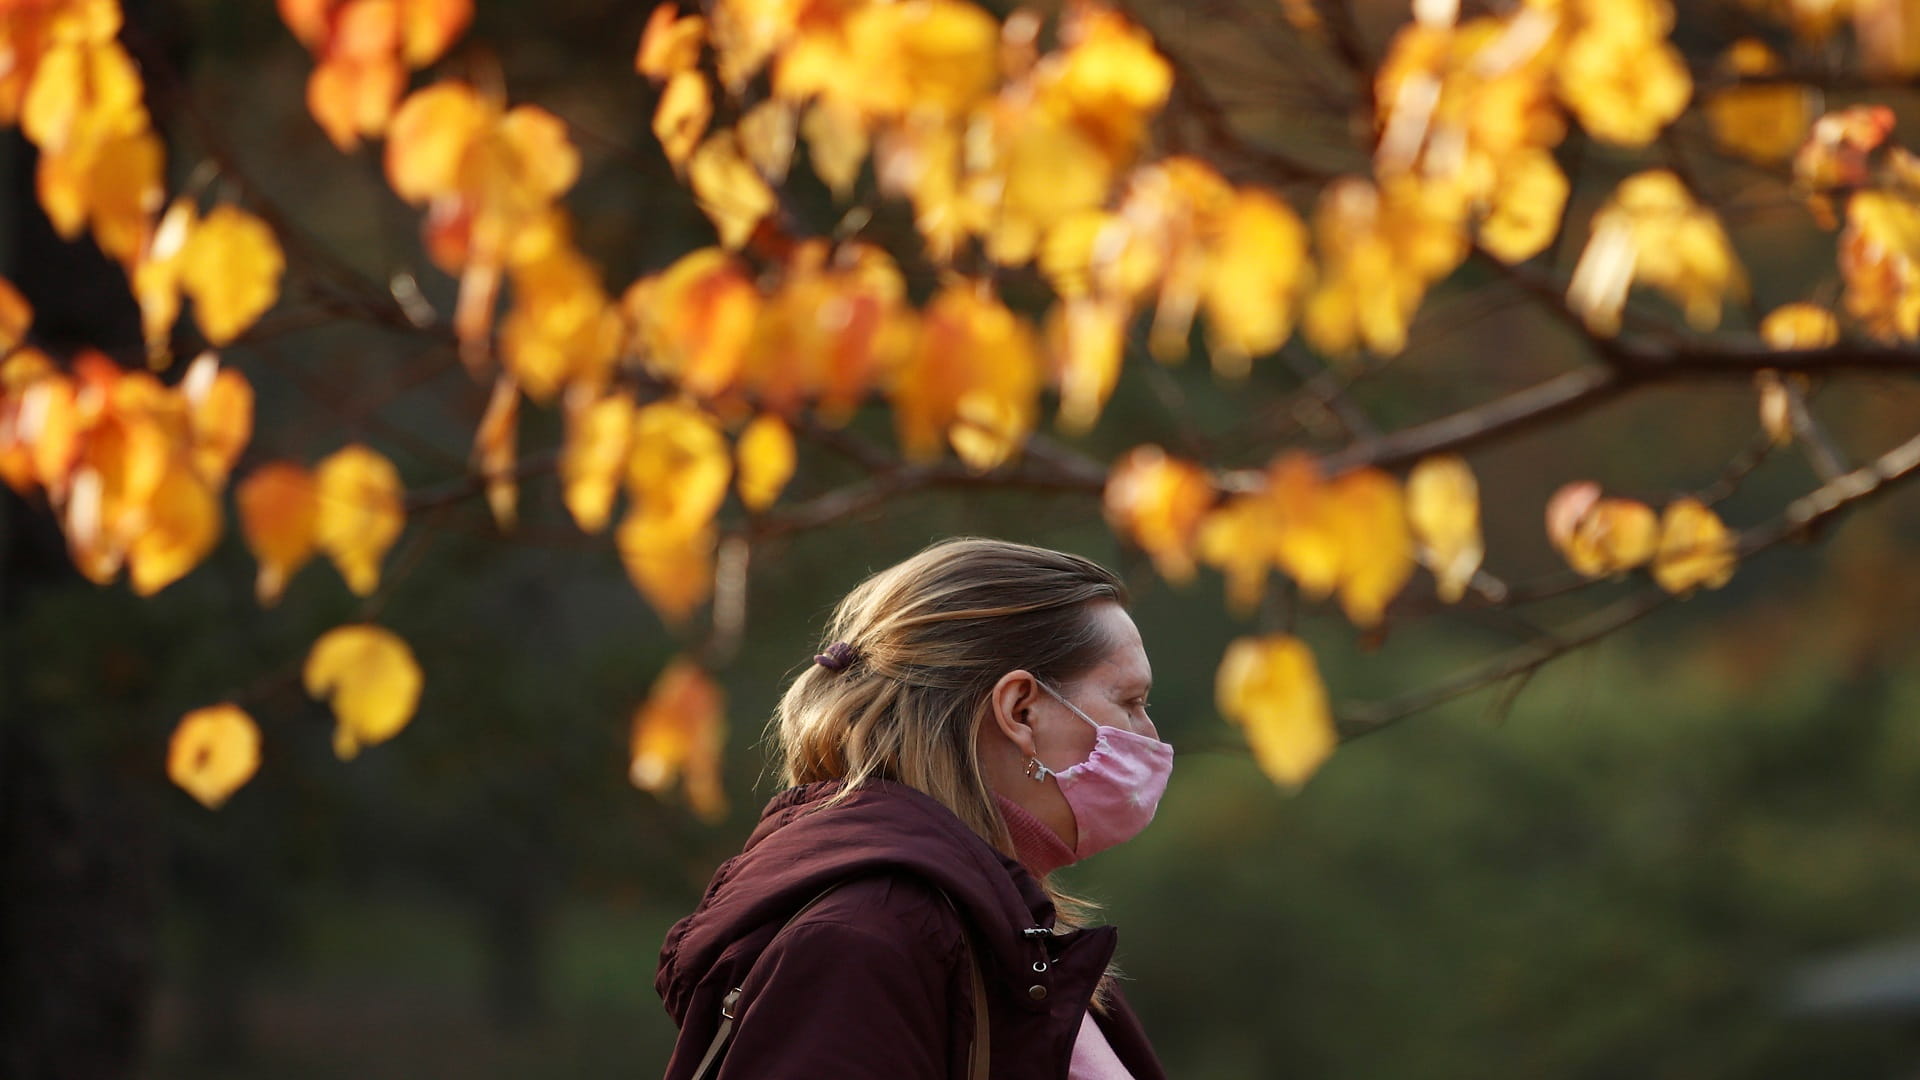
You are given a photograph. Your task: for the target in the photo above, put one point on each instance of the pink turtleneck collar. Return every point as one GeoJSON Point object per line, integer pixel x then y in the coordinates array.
{"type": "Point", "coordinates": [1039, 848]}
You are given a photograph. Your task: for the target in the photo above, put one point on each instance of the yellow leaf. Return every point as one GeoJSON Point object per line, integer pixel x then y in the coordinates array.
{"type": "Point", "coordinates": [84, 92]}
{"type": "Point", "coordinates": [540, 161]}
{"type": "Point", "coordinates": [767, 457]}
{"type": "Point", "coordinates": [1652, 231]}
{"type": "Point", "coordinates": [1048, 170]}
{"type": "Point", "coordinates": [370, 678]}
{"type": "Point", "coordinates": [670, 44]}
{"type": "Point", "coordinates": [156, 278]}
{"type": "Point", "coordinates": [1237, 537]}
{"type": "Point", "coordinates": [1877, 262]}
{"type": "Point", "coordinates": [679, 466]}
{"type": "Point", "coordinates": [730, 191]}
{"type": "Point", "coordinates": [1159, 502]}
{"type": "Point", "coordinates": [362, 509]}
{"type": "Point", "coordinates": [672, 568]}
{"type": "Point", "coordinates": [562, 328]}
{"type": "Point", "coordinates": [836, 143]}
{"type": "Point", "coordinates": [1086, 338]}
{"type": "Point", "coordinates": [1109, 78]}
{"type": "Point", "coordinates": [493, 450]}
{"type": "Point", "coordinates": [1762, 123]}
{"type": "Point", "coordinates": [1271, 687]}
{"type": "Point", "coordinates": [183, 523]}
{"type": "Point", "coordinates": [678, 732]}
{"type": "Point", "coordinates": [1695, 548]}
{"type": "Point", "coordinates": [1776, 406]}
{"type": "Point", "coordinates": [1380, 248]}
{"type": "Point", "coordinates": [767, 136]}
{"type": "Point", "coordinates": [1443, 506]}
{"type": "Point", "coordinates": [214, 750]}
{"type": "Point", "coordinates": [1526, 207]}
{"type": "Point", "coordinates": [1612, 536]}
{"type": "Point", "coordinates": [220, 415]}
{"type": "Point", "coordinates": [1254, 280]}
{"type": "Point", "coordinates": [124, 192]}
{"type": "Point", "coordinates": [599, 433]}
{"type": "Point", "coordinates": [1376, 544]}
{"type": "Point", "coordinates": [279, 511]}
{"type": "Point", "coordinates": [681, 117]}
{"type": "Point", "coordinates": [936, 55]}
{"type": "Point", "coordinates": [231, 267]}
{"type": "Point", "coordinates": [1800, 326]}
{"type": "Point", "coordinates": [1306, 539]}
{"type": "Point", "coordinates": [1619, 74]}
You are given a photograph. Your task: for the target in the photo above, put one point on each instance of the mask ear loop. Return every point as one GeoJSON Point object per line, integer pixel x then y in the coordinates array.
{"type": "Point", "coordinates": [1037, 769]}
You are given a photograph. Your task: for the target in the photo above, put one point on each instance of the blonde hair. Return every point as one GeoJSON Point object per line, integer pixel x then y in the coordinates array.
{"type": "Point", "coordinates": [931, 635]}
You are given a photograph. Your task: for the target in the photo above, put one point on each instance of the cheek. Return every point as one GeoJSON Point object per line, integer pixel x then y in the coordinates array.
{"type": "Point", "coordinates": [1066, 744]}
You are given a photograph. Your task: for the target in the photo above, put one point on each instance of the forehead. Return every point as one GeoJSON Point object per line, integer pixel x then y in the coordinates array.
{"type": "Point", "coordinates": [1126, 662]}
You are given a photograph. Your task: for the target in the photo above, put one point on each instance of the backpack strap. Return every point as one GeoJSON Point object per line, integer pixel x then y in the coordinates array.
{"type": "Point", "coordinates": [979, 1051]}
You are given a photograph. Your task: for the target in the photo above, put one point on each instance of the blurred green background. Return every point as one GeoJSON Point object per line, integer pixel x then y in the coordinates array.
{"type": "Point", "coordinates": [1638, 869]}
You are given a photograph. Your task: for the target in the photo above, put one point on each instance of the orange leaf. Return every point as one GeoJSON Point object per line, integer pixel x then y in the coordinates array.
{"type": "Point", "coordinates": [670, 44]}
{"type": "Point", "coordinates": [696, 320]}
{"type": "Point", "coordinates": [279, 514]}
{"type": "Point", "coordinates": [973, 380]}
{"type": "Point", "coordinates": [1159, 501]}
{"type": "Point", "coordinates": [428, 27]}
{"type": "Point", "coordinates": [678, 732]}
{"type": "Point", "coordinates": [681, 117]}
{"type": "Point", "coordinates": [16, 315]}
{"type": "Point", "coordinates": [1306, 540]}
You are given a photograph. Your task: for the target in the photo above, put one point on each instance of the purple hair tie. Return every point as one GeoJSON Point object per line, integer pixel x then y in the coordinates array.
{"type": "Point", "coordinates": [836, 658]}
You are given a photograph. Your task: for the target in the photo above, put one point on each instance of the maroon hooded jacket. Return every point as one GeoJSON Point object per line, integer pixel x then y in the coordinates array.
{"type": "Point", "coordinates": [873, 981]}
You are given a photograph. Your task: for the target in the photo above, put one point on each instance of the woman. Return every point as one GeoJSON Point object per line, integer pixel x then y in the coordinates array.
{"type": "Point", "coordinates": [978, 722]}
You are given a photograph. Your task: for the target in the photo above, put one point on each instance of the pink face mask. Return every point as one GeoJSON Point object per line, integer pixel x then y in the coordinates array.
{"type": "Point", "coordinates": [1113, 793]}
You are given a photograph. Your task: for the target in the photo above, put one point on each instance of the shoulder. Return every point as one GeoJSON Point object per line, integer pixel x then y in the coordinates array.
{"type": "Point", "coordinates": [893, 909]}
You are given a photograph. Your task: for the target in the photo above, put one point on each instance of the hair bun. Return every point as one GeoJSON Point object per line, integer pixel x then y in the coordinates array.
{"type": "Point", "coordinates": [837, 657]}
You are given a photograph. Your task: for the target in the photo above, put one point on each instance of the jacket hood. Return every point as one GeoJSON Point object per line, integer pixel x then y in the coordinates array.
{"type": "Point", "coordinates": [801, 847]}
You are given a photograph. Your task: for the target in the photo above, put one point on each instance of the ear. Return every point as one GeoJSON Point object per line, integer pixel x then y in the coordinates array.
{"type": "Point", "coordinates": [1010, 704]}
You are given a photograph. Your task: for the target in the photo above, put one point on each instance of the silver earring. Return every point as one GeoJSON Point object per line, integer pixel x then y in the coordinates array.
{"type": "Point", "coordinates": [1037, 771]}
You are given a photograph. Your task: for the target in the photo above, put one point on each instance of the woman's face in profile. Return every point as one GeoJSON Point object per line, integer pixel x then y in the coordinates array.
{"type": "Point", "coordinates": [1114, 692]}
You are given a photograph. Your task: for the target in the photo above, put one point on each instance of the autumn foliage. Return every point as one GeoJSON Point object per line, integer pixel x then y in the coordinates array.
{"type": "Point", "coordinates": [1017, 145]}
